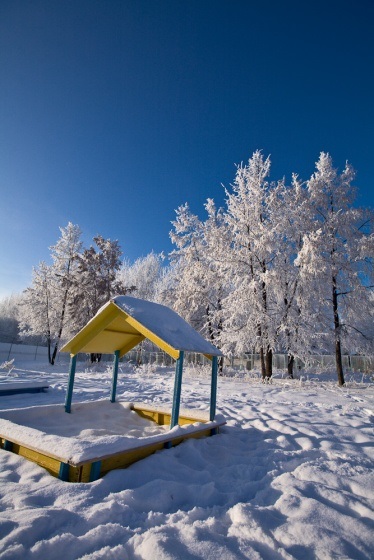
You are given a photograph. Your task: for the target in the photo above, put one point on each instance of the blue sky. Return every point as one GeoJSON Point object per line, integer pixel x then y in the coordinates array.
{"type": "Point", "coordinates": [113, 113]}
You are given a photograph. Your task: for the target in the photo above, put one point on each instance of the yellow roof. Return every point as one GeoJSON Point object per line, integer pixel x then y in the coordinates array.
{"type": "Point", "coordinates": [124, 322]}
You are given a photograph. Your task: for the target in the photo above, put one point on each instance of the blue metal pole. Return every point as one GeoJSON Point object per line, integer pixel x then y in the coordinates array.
{"type": "Point", "coordinates": [213, 392]}
{"type": "Point", "coordinates": [114, 378]}
{"type": "Point", "coordinates": [69, 394]}
{"type": "Point", "coordinates": [177, 390]}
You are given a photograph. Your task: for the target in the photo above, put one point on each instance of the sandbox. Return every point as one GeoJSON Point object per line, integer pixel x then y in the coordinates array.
{"type": "Point", "coordinates": [97, 437]}
{"type": "Point", "coordinates": [83, 442]}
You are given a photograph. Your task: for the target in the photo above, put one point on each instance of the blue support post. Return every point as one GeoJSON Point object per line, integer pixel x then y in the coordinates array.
{"type": "Point", "coordinates": [115, 375]}
{"type": "Point", "coordinates": [64, 472]}
{"type": "Point", "coordinates": [213, 392]}
{"type": "Point", "coordinates": [95, 471]}
{"type": "Point", "coordinates": [8, 445]}
{"type": "Point", "coordinates": [69, 393]}
{"type": "Point", "coordinates": [177, 390]}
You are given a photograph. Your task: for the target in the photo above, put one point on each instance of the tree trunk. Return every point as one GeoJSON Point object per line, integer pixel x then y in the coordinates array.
{"type": "Point", "coordinates": [269, 362]}
{"type": "Point", "coordinates": [339, 363]}
{"type": "Point", "coordinates": [62, 317]}
{"type": "Point", "coordinates": [290, 364]}
{"type": "Point", "coordinates": [49, 350]}
{"type": "Point", "coordinates": [220, 365]}
{"type": "Point", "coordinates": [95, 358]}
{"type": "Point", "coordinates": [338, 348]}
{"type": "Point", "coordinates": [52, 362]}
{"type": "Point", "coordinates": [263, 366]}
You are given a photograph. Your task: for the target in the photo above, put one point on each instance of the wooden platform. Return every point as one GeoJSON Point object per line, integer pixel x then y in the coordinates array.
{"type": "Point", "coordinates": [96, 467]}
{"type": "Point", "coordinates": [17, 387]}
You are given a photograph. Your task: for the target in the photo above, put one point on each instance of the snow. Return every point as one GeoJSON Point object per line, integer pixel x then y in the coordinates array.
{"type": "Point", "coordinates": [166, 324]}
{"type": "Point", "coordinates": [289, 476]}
{"type": "Point", "coordinates": [92, 430]}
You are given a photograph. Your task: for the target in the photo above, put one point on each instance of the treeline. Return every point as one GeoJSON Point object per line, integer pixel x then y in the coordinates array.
{"type": "Point", "coordinates": [286, 268]}
{"type": "Point", "coordinates": [65, 295]}
{"type": "Point", "coordinates": [280, 267]}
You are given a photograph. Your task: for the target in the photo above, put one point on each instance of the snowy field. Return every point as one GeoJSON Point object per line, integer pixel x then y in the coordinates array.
{"type": "Point", "coordinates": [289, 476]}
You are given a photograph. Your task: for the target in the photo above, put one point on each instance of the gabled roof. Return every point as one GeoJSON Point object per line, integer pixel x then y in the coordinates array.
{"type": "Point", "coordinates": [125, 321]}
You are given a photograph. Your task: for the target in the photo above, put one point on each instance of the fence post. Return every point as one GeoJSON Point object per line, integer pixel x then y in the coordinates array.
{"type": "Point", "coordinates": [10, 349]}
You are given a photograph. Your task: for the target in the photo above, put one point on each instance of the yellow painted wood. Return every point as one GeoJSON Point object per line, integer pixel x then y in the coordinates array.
{"type": "Point", "coordinates": [84, 472]}
{"type": "Point", "coordinates": [81, 472]}
{"type": "Point", "coordinates": [130, 344]}
{"type": "Point", "coordinates": [17, 442]}
{"type": "Point", "coordinates": [122, 460]}
{"type": "Point", "coordinates": [49, 463]}
{"type": "Point", "coordinates": [163, 417]}
{"type": "Point", "coordinates": [111, 330]}
{"type": "Point", "coordinates": [93, 328]}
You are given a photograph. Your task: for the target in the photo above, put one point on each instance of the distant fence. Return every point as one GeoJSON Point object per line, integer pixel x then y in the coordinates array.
{"type": "Point", "coordinates": [365, 364]}
{"type": "Point", "coordinates": [8, 351]}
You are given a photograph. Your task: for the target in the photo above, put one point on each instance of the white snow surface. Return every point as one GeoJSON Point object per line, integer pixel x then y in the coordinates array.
{"type": "Point", "coordinates": [289, 476]}
{"type": "Point", "coordinates": [166, 324]}
{"type": "Point", "coordinates": [92, 430]}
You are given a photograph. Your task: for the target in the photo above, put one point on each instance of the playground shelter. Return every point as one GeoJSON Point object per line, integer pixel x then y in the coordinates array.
{"type": "Point", "coordinates": [119, 326]}
{"type": "Point", "coordinates": [124, 322]}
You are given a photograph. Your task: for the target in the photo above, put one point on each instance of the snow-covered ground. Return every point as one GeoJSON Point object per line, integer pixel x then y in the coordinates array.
{"type": "Point", "coordinates": [289, 476]}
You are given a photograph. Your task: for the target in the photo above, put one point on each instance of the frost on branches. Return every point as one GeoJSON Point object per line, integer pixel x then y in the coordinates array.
{"type": "Point", "coordinates": [63, 296]}
{"type": "Point", "coordinates": [197, 271]}
{"type": "Point", "coordinates": [45, 308]}
{"type": "Point", "coordinates": [335, 264]}
{"type": "Point", "coordinates": [284, 268]}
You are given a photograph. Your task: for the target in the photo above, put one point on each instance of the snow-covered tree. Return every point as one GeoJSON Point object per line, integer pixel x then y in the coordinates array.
{"type": "Point", "coordinates": [332, 263]}
{"type": "Point", "coordinates": [197, 270]}
{"type": "Point", "coordinates": [252, 217]}
{"type": "Point", "coordinates": [142, 277]}
{"type": "Point", "coordinates": [95, 280]}
{"type": "Point", "coordinates": [290, 224]}
{"type": "Point", "coordinates": [37, 307]}
{"type": "Point", "coordinates": [46, 303]}
{"type": "Point", "coordinates": [9, 318]}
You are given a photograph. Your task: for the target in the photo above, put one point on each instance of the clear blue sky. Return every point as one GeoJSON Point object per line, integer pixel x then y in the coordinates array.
{"type": "Point", "coordinates": [113, 113]}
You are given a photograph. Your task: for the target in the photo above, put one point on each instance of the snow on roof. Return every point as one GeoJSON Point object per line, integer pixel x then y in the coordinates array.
{"type": "Point", "coordinates": [124, 321]}
{"type": "Point", "coordinates": [166, 324]}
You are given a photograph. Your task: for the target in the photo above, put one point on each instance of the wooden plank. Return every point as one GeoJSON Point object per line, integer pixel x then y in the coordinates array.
{"type": "Point", "coordinates": [17, 441]}
{"type": "Point", "coordinates": [19, 388]}
{"type": "Point", "coordinates": [130, 344]}
{"type": "Point", "coordinates": [95, 471]}
{"type": "Point", "coordinates": [163, 417]}
{"type": "Point", "coordinates": [92, 329]}
{"type": "Point", "coordinates": [98, 466]}
{"type": "Point", "coordinates": [64, 472]}
{"type": "Point", "coordinates": [49, 463]}
{"type": "Point", "coordinates": [177, 390]}
{"type": "Point", "coordinates": [126, 458]}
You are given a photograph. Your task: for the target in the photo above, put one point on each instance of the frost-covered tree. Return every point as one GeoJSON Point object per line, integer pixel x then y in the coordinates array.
{"type": "Point", "coordinates": [252, 217]}
{"type": "Point", "coordinates": [46, 303]}
{"type": "Point", "coordinates": [142, 277]}
{"type": "Point", "coordinates": [37, 307]}
{"type": "Point", "coordinates": [95, 280]}
{"type": "Point", "coordinates": [284, 275]}
{"type": "Point", "coordinates": [198, 285]}
{"type": "Point", "coordinates": [9, 318]}
{"type": "Point", "coordinates": [334, 263]}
